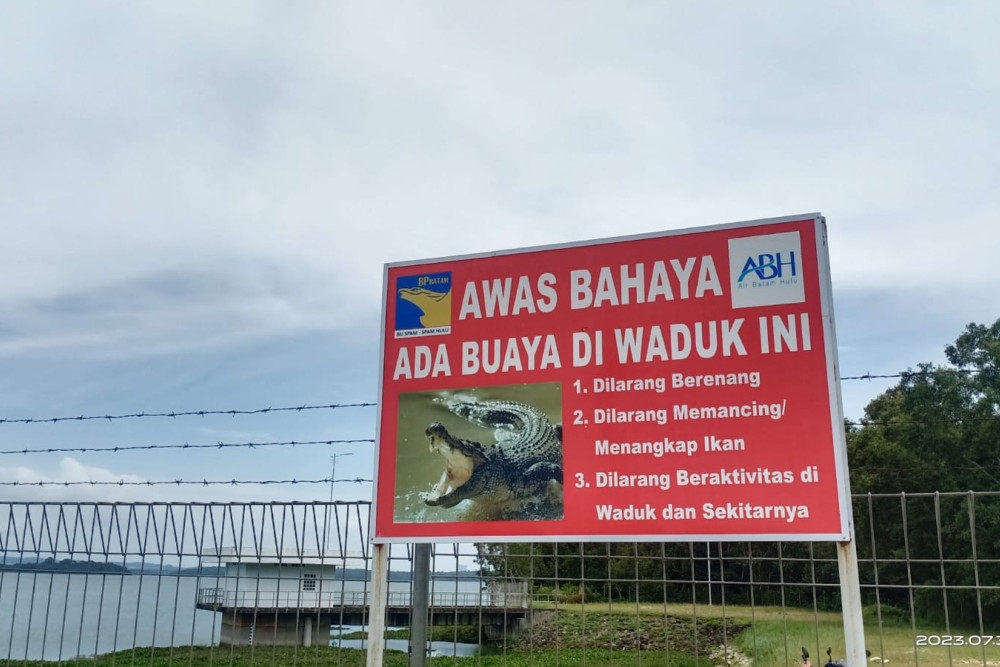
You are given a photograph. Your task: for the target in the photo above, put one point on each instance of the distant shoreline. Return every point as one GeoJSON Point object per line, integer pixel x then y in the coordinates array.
{"type": "Point", "coordinates": [71, 566]}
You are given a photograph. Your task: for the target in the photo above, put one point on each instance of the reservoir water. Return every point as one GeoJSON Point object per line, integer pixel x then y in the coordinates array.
{"type": "Point", "coordinates": [60, 616]}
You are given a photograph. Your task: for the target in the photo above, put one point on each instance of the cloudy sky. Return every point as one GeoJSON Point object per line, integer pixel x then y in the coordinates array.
{"type": "Point", "coordinates": [197, 199]}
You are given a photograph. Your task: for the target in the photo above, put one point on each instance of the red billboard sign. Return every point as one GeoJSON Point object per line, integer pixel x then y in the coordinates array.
{"type": "Point", "coordinates": [675, 386]}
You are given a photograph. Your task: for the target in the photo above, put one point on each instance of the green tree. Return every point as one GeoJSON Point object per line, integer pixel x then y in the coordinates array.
{"type": "Point", "coordinates": [938, 429]}
{"type": "Point", "coordinates": [936, 432]}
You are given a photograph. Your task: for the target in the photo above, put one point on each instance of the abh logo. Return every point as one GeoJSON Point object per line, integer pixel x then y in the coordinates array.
{"type": "Point", "coordinates": [768, 267]}
{"type": "Point", "coordinates": [766, 270]}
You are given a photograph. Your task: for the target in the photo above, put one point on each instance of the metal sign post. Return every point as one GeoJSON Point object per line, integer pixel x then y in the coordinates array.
{"type": "Point", "coordinates": [379, 603]}
{"type": "Point", "coordinates": [419, 605]}
{"type": "Point", "coordinates": [850, 594]}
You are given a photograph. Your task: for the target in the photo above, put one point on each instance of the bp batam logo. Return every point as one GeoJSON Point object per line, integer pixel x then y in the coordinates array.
{"type": "Point", "coordinates": [766, 270]}
{"type": "Point", "coordinates": [423, 304]}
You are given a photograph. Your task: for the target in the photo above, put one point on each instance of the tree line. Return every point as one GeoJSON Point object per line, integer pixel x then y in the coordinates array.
{"type": "Point", "coordinates": [64, 565]}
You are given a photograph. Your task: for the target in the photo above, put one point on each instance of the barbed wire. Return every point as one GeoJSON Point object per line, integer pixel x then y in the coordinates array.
{"type": "Point", "coordinates": [927, 468]}
{"type": "Point", "coordinates": [115, 449]}
{"type": "Point", "coordinates": [173, 414]}
{"type": "Point", "coordinates": [218, 445]}
{"type": "Point", "coordinates": [360, 480]}
{"type": "Point", "coordinates": [909, 374]}
{"type": "Point", "coordinates": [921, 422]}
{"type": "Point", "coordinates": [187, 482]}
{"type": "Point", "coordinates": [187, 413]}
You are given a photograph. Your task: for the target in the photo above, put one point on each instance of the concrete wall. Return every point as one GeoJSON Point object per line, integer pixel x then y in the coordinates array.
{"type": "Point", "coordinates": [282, 629]}
{"type": "Point", "coordinates": [278, 586]}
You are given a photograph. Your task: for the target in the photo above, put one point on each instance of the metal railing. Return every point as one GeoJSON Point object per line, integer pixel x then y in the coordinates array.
{"type": "Point", "coordinates": [228, 598]}
{"type": "Point", "coordinates": [80, 579]}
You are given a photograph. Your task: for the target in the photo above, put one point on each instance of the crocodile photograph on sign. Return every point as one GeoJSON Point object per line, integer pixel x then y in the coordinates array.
{"type": "Point", "coordinates": [480, 454]}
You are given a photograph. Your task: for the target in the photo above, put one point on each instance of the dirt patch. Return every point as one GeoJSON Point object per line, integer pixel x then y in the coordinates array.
{"type": "Point", "coordinates": [568, 629]}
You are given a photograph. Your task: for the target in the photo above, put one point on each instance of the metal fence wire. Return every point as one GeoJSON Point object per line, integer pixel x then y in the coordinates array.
{"type": "Point", "coordinates": [289, 583]}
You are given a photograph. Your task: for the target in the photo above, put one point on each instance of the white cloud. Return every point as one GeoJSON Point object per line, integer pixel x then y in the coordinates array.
{"type": "Point", "coordinates": [51, 484]}
{"type": "Point", "coordinates": [328, 141]}
{"type": "Point", "coordinates": [70, 481]}
{"type": "Point", "coordinates": [183, 182]}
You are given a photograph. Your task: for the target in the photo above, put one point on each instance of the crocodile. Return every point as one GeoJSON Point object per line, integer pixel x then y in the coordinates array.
{"type": "Point", "coordinates": [523, 468]}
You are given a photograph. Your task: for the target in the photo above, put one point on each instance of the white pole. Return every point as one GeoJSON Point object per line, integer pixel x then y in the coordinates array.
{"type": "Point", "coordinates": [850, 596]}
{"type": "Point", "coordinates": [379, 603]}
{"type": "Point", "coordinates": [847, 552]}
{"type": "Point", "coordinates": [850, 584]}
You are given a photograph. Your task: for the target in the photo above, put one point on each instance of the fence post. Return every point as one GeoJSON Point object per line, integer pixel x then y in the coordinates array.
{"type": "Point", "coordinates": [850, 598]}
{"type": "Point", "coordinates": [419, 604]}
{"type": "Point", "coordinates": [379, 603]}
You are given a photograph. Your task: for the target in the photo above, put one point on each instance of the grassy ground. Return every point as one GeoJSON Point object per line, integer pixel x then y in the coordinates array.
{"type": "Point", "coordinates": [287, 657]}
{"type": "Point", "coordinates": [619, 634]}
{"type": "Point", "coordinates": [220, 656]}
{"type": "Point", "coordinates": [776, 643]}
{"type": "Point", "coordinates": [774, 636]}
